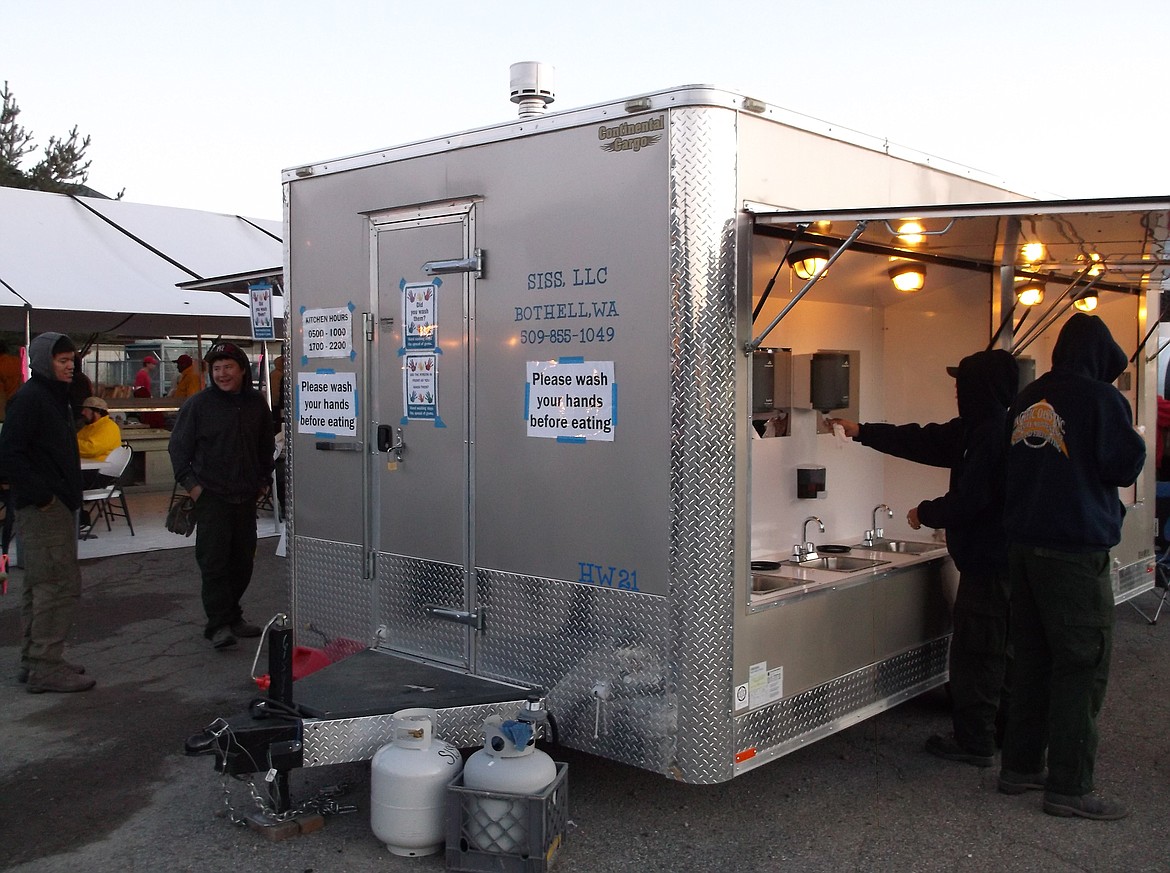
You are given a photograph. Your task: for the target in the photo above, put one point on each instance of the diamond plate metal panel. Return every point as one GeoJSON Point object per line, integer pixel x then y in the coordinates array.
{"type": "Point", "coordinates": [330, 598]}
{"type": "Point", "coordinates": [339, 740]}
{"type": "Point", "coordinates": [796, 721]}
{"type": "Point", "coordinates": [703, 260]}
{"type": "Point", "coordinates": [571, 639]}
{"type": "Point", "coordinates": [405, 586]}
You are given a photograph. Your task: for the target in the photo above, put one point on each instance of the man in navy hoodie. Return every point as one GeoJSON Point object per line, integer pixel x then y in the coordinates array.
{"type": "Point", "coordinates": [38, 455]}
{"type": "Point", "coordinates": [1072, 446]}
{"type": "Point", "coordinates": [971, 511]}
{"type": "Point", "coordinates": [221, 450]}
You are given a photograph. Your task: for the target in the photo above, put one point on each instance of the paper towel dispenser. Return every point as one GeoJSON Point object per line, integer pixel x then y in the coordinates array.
{"type": "Point", "coordinates": [829, 381]}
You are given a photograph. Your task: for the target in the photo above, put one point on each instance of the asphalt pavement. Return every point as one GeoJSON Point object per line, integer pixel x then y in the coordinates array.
{"type": "Point", "coordinates": [98, 781]}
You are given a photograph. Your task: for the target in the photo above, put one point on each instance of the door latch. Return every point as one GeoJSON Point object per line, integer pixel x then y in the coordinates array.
{"type": "Point", "coordinates": [391, 441]}
{"type": "Point", "coordinates": [472, 619]}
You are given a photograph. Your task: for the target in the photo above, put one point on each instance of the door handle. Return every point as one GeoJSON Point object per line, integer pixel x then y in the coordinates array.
{"type": "Point", "coordinates": [390, 440]}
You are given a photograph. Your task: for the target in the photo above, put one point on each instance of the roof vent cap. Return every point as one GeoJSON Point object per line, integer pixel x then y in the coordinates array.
{"type": "Point", "coordinates": [532, 87]}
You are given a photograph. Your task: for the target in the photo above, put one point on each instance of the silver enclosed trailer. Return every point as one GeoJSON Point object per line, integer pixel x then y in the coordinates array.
{"type": "Point", "coordinates": [557, 418]}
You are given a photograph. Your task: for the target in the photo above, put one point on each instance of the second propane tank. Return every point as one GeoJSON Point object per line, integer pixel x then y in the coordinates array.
{"type": "Point", "coordinates": [509, 762]}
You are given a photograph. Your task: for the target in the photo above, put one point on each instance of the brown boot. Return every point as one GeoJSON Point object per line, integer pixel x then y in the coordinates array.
{"type": "Point", "coordinates": [22, 674]}
{"type": "Point", "coordinates": [61, 679]}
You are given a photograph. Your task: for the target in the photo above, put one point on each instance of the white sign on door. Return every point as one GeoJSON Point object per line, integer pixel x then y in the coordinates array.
{"type": "Point", "coordinates": [420, 322]}
{"type": "Point", "coordinates": [326, 403]}
{"type": "Point", "coordinates": [571, 400]}
{"type": "Point", "coordinates": [327, 333]}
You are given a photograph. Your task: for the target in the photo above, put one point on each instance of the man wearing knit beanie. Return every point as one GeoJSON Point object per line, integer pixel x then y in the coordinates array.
{"type": "Point", "coordinates": [221, 450]}
{"type": "Point", "coordinates": [38, 455]}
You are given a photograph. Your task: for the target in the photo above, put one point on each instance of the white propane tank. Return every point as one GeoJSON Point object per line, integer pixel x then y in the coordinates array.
{"type": "Point", "coordinates": [408, 785]}
{"type": "Point", "coordinates": [508, 762]}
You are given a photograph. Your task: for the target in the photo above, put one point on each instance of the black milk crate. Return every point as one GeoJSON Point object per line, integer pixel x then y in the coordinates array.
{"type": "Point", "coordinates": [500, 832]}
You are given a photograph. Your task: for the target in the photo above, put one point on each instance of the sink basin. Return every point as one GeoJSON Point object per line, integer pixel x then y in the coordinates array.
{"type": "Point", "coordinates": [903, 547]}
{"type": "Point", "coordinates": [840, 563]}
{"type": "Point", "coordinates": [765, 582]}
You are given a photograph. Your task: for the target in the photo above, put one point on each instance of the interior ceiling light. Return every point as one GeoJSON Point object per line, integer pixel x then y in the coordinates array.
{"type": "Point", "coordinates": [806, 263]}
{"type": "Point", "coordinates": [1087, 303]}
{"type": "Point", "coordinates": [908, 276]}
{"type": "Point", "coordinates": [911, 232]}
{"type": "Point", "coordinates": [1032, 252]}
{"type": "Point", "coordinates": [1030, 293]}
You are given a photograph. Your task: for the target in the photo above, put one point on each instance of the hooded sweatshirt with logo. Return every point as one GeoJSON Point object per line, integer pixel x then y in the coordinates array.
{"type": "Point", "coordinates": [38, 445]}
{"type": "Point", "coordinates": [1072, 446]}
{"type": "Point", "coordinates": [973, 447]}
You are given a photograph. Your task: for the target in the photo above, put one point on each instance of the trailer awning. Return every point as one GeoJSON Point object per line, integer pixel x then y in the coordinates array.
{"type": "Point", "coordinates": [1077, 248]}
{"type": "Point", "coordinates": [1128, 237]}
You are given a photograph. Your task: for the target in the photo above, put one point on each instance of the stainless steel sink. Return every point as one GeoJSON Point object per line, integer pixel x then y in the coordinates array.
{"type": "Point", "coordinates": [763, 583]}
{"type": "Point", "coordinates": [840, 563]}
{"type": "Point", "coordinates": [903, 547]}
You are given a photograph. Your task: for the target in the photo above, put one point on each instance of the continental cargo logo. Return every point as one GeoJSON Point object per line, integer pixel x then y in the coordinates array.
{"type": "Point", "coordinates": [631, 136]}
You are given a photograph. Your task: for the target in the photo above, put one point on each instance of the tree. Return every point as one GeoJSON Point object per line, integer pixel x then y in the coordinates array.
{"type": "Point", "coordinates": [63, 169]}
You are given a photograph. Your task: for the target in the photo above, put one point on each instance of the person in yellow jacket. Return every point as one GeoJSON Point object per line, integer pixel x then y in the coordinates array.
{"type": "Point", "coordinates": [100, 435]}
{"type": "Point", "coordinates": [190, 378]}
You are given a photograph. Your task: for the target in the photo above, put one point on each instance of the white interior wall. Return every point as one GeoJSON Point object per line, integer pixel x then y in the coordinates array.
{"type": "Point", "coordinates": [903, 351]}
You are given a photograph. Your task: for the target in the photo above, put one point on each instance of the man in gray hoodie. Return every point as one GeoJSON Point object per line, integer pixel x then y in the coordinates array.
{"type": "Point", "coordinates": [38, 455]}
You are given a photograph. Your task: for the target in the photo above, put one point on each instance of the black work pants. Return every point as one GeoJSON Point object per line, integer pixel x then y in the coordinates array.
{"type": "Point", "coordinates": [1062, 636]}
{"type": "Point", "coordinates": [979, 658]}
{"type": "Point", "coordinates": [225, 550]}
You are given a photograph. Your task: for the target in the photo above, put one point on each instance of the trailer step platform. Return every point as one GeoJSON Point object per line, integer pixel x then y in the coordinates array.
{"type": "Point", "coordinates": [373, 682]}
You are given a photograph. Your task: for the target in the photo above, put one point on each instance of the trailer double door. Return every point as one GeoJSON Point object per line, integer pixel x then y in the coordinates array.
{"type": "Point", "coordinates": [421, 420]}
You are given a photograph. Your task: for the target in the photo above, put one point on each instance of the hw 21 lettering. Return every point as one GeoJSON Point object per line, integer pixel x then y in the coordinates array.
{"type": "Point", "coordinates": [604, 576]}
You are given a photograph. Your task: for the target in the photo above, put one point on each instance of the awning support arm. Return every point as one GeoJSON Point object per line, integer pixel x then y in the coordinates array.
{"type": "Point", "coordinates": [1150, 333]}
{"type": "Point", "coordinates": [1052, 314]}
{"type": "Point", "coordinates": [754, 344]}
{"type": "Point", "coordinates": [800, 229]}
{"type": "Point", "coordinates": [1157, 353]}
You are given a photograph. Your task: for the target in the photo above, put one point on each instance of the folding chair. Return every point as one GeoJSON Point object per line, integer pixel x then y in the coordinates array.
{"type": "Point", "coordinates": [1161, 566]}
{"type": "Point", "coordinates": [108, 501]}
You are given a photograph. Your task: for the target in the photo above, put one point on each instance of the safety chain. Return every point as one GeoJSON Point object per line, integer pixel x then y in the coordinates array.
{"type": "Point", "coordinates": [323, 802]}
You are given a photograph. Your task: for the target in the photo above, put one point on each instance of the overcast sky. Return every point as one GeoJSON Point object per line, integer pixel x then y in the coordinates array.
{"type": "Point", "coordinates": [202, 104]}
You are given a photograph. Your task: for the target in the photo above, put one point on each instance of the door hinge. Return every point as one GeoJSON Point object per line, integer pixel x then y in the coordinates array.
{"type": "Point", "coordinates": [368, 326]}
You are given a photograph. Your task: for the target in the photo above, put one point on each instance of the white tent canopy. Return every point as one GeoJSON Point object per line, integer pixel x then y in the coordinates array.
{"type": "Point", "coordinates": [88, 265]}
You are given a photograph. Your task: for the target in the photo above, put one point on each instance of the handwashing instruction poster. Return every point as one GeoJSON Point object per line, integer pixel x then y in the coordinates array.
{"type": "Point", "coordinates": [571, 400]}
{"type": "Point", "coordinates": [420, 387]}
{"type": "Point", "coordinates": [420, 324]}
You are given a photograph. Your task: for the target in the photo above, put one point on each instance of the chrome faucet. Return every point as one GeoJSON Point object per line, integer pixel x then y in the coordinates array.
{"type": "Point", "coordinates": [805, 550]}
{"type": "Point", "coordinates": [876, 533]}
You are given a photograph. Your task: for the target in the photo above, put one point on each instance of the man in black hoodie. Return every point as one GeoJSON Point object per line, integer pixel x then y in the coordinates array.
{"type": "Point", "coordinates": [38, 455]}
{"type": "Point", "coordinates": [1073, 445]}
{"type": "Point", "coordinates": [971, 512]}
{"type": "Point", "coordinates": [221, 450]}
